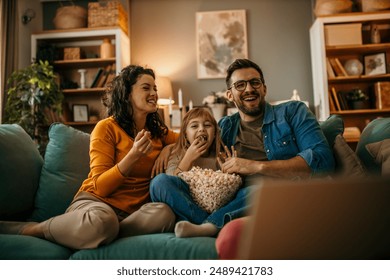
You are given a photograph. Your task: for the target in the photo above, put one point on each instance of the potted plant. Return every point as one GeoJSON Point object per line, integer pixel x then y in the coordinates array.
{"type": "Point", "coordinates": [217, 102]}
{"type": "Point", "coordinates": [33, 94]}
{"type": "Point", "coordinates": [357, 99]}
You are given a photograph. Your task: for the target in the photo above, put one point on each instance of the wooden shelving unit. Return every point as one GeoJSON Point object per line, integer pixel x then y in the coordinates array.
{"type": "Point", "coordinates": [320, 52]}
{"type": "Point", "coordinates": [89, 41]}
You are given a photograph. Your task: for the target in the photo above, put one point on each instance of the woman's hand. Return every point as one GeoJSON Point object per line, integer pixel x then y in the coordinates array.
{"type": "Point", "coordinates": [161, 163]}
{"type": "Point", "coordinates": [142, 146]}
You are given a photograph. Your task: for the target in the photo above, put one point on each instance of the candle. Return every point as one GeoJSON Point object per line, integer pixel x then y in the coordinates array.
{"type": "Point", "coordinates": [190, 105]}
{"type": "Point", "coordinates": [180, 99]}
{"type": "Point", "coordinates": [170, 106]}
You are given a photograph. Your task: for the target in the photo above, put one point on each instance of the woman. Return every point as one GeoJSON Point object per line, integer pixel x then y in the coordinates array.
{"type": "Point", "coordinates": [114, 199]}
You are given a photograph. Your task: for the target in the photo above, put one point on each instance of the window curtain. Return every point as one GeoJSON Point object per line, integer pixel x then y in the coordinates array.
{"type": "Point", "coordinates": [8, 47]}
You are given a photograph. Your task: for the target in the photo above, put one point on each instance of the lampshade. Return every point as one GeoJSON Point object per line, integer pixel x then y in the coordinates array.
{"type": "Point", "coordinates": [164, 90]}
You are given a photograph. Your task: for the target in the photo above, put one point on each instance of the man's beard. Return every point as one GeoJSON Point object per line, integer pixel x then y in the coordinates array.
{"type": "Point", "coordinates": [253, 112]}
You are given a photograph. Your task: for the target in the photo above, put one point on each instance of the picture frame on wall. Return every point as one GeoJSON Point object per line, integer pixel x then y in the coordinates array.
{"type": "Point", "coordinates": [221, 37]}
{"type": "Point", "coordinates": [80, 113]}
{"type": "Point", "coordinates": [375, 64]}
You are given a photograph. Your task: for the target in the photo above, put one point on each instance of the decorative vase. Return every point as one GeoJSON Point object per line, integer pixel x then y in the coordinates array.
{"type": "Point", "coordinates": [218, 110]}
{"type": "Point", "coordinates": [106, 49]}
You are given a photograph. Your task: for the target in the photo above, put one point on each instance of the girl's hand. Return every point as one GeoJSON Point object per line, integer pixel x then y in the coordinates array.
{"type": "Point", "coordinates": [226, 156]}
{"type": "Point", "coordinates": [196, 149]}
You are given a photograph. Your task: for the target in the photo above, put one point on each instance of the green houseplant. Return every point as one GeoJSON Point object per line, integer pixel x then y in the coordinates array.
{"type": "Point", "coordinates": [357, 99]}
{"type": "Point", "coordinates": [33, 94]}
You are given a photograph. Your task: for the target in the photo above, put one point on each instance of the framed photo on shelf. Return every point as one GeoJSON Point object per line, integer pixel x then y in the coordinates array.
{"type": "Point", "coordinates": [221, 37]}
{"type": "Point", "coordinates": [80, 113]}
{"type": "Point", "coordinates": [375, 64]}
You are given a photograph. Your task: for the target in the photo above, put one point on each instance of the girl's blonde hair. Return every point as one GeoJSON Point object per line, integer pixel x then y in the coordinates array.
{"type": "Point", "coordinates": [182, 143]}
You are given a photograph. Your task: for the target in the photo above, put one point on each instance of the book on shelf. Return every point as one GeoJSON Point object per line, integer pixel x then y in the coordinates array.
{"type": "Point", "coordinates": [338, 68]}
{"type": "Point", "coordinates": [111, 75]}
{"type": "Point", "coordinates": [96, 78]}
{"type": "Point", "coordinates": [329, 69]}
{"type": "Point", "coordinates": [332, 106]}
{"type": "Point", "coordinates": [382, 95]}
{"type": "Point", "coordinates": [335, 99]}
{"type": "Point", "coordinates": [342, 97]}
{"type": "Point", "coordinates": [103, 78]}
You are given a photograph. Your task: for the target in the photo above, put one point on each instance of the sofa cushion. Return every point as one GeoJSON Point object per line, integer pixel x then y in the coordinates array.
{"type": "Point", "coordinates": [20, 166]}
{"type": "Point", "coordinates": [380, 151]}
{"type": "Point", "coordinates": [153, 247]}
{"type": "Point", "coordinates": [66, 166]}
{"type": "Point", "coordinates": [377, 130]}
{"type": "Point", "coordinates": [20, 247]}
{"type": "Point", "coordinates": [347, 162]}
{"type": "Point", "coordinates": [331, 127]}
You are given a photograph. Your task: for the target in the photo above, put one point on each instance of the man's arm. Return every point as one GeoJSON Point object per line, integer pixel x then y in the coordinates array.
{"type": "Point", "coordinates": [289, 168]}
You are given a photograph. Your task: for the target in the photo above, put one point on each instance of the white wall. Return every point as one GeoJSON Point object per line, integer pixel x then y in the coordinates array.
{"type": "Point", "coordinates": [25, 30]}
{"type": "Point", "coordinates": [163, 37]}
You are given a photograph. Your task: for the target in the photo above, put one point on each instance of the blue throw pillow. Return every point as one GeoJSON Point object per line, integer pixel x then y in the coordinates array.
{"type": "Point", "coordinates": [65, 168]}
{"type": "Point", "coordinates": [20, 168]}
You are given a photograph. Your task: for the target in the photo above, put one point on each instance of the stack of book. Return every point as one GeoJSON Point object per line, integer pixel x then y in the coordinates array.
{"type": "Point", "coordinates": [103, 76]}
{"type": "Point", "coordinates": [335, 68]}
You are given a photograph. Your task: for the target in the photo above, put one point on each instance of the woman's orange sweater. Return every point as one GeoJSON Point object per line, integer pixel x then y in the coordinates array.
{"type": "Point", "coordinates": [109, 144]}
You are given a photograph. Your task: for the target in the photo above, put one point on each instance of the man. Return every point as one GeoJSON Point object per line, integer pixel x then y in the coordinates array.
{"type": "Point", "coordinates": [282, 141]}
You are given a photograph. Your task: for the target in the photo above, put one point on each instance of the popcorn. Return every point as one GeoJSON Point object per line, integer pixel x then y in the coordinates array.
{"type": "Point", "coordinates": [211, 189]}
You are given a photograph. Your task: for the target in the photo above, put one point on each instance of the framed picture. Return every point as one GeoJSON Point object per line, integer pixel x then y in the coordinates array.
{"type": "Point", "coordinates": [80, 113]}
{"type": "Point", "coordinates": [221, 37]}
{"type": "Point", "coordinates": [375, 64]}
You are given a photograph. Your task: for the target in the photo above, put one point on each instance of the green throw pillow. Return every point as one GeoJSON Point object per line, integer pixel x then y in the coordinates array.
{"type": "Point", "coordinates": [376, 131]}
{"type": "Point", "coordinates": [20, 168]}
{"type": "Point", "coordinates": [331, 127]}
{"type": "Point", "coordinates": [65, 168]}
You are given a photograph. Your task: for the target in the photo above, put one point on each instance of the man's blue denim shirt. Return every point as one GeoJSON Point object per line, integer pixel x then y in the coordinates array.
{"type": "Point", "coordinates": [289, 129]}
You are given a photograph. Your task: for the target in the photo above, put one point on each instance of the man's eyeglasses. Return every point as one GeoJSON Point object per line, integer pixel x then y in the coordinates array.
{"type": "Point", "coordinates": [241, 85]}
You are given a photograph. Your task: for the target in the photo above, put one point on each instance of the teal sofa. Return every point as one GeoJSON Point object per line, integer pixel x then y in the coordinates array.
{"type": "Point", "coordinates": [35, 189]}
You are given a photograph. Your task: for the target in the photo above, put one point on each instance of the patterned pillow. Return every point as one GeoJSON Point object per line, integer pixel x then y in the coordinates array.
{"type": "Point", "coordinates": [347, 161]}
{"type": "Point", "coordinates": [380, 151]}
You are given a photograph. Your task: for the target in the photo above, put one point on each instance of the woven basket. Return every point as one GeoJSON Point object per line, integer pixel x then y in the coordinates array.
{"type": "Point", "coordinates": [70, 17]}
{"type": "Point", "coordinates": [330, 7]}
{"type": "Point", "coordinates": [374, 5]}
{"type": "Point", "coordinates": [107, 14]}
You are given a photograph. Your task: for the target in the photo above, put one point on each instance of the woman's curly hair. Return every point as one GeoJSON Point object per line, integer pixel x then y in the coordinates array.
{"type": "Point", "coordinates": [116, 101]}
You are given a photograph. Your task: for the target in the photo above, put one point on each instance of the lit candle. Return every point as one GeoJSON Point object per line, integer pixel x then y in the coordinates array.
{"type": "Point", "coordinates": [180, 99]}
{"type": "Point", "coordinates": [170, 105]}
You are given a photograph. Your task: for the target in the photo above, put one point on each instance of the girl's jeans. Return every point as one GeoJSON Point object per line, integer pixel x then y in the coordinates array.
{"type": "Point", "coordinates": [173, 191]}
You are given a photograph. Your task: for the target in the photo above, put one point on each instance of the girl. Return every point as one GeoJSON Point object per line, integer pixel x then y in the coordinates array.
{"type": "Point", "coordinates": [199, 144]}
{"type": "Point", "coordinates": [123, 150]}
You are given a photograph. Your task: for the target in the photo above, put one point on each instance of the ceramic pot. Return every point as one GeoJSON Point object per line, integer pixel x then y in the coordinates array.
{"type": "Point", "coordinates": [218, 110]}
{"type": "Point", "coordinates": [106, 49]}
